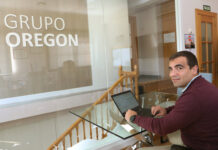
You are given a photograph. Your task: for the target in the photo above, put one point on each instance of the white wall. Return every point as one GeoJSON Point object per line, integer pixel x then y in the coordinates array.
{"type": "Point", "coordinates": [185, 10]}
{"type": "Point", "coordinates": [147, 26]}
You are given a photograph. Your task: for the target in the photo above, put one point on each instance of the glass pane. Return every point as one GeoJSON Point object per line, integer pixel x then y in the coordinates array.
{"type": "Point", "coordinates": [66, 52]}
{"type": "Point", "coordinates": [209, 32]}
{"type": "Point", "coordinates": [203, 68]}
{"type": "Point", "coordinates": [210, 67]}
{"type": "Point", "coordinates": [210, 54]}
{"type": "Point", "coordinates": [210, 57]}
{"type": "Point", "coordinates": [55, 51]}
{"type": "Point", "coordinates": [111, 107]}
{"type": "Point", "coordinates": [204, 52]}
{"type": "Point", "coordinates": [203, 31]}
{"type": "Point", "coordinates": [49, 53]}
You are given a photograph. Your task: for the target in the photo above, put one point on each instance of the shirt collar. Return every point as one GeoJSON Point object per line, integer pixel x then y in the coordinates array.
{"type": "Point", "coordinates": [185, 88]}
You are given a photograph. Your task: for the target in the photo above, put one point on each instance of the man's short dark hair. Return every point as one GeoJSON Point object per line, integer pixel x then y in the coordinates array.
{"type": "Point", "coordinates": [191, 58]}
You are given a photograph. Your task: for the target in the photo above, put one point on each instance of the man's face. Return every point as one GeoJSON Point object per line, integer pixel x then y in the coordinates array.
{"type": "Point", "coordinates": [180, 72]}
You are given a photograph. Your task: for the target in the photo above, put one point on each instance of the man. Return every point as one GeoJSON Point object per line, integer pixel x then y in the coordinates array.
{"type": "Point", "coordinates": [195, 112]}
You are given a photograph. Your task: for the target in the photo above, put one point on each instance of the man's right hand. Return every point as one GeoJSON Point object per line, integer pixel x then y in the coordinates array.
{"type": "Point", "coordinates": [158, 111]}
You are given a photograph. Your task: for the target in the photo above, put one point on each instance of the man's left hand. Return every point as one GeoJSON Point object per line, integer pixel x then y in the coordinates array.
{"type": "Point", "coordinates": [129, 113]}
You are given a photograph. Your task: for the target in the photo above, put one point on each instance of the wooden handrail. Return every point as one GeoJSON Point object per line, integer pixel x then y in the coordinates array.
{"type": "Point", "coordinates": [124, 77]}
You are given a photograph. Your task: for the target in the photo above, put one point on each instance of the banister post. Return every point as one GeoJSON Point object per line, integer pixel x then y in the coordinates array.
{"type": "Point", "coordinates": [136, 82]}
{"type": "Point", "coordinates": [120, 71]}
{"type": "Point", "coordinates": [120, 74]}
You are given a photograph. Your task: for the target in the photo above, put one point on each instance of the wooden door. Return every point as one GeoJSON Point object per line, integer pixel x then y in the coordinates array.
{"type": "Point", "coordinates": [206, 35]}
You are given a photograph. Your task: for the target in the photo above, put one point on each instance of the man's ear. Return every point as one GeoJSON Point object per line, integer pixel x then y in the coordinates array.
{"type": "Point", "coordinates": [195, 69]}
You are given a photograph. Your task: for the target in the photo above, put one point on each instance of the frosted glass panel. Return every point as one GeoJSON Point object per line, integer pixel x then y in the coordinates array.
{"type": "Point", "coordinates": [209, 32]}
{"type": "Point", "coordinates": [44, 49]}
{"type": "Point", "coordinates": [203, 52]}
{"type": "Point", "coordinates": [203, 31]}
{"type": "Point", "coordinates": [204, 68]}
{"type": "Point", "coordinates": [210, 67]}
{"type": "Point", "coordinates": [210, 56]}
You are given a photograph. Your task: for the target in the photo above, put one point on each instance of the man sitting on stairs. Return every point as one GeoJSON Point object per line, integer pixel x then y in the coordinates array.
{"type": "Point", "coordinates": [195, 113]}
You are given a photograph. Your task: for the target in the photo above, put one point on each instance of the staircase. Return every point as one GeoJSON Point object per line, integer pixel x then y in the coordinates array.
{"type": "Point", "coordinates": [126, 81]}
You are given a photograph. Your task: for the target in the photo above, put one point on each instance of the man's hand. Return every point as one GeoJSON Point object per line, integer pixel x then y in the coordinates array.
{"type": "Point", "coordinates": [129, 113]}
{"type": "Point", "coordinates": [158, 111]}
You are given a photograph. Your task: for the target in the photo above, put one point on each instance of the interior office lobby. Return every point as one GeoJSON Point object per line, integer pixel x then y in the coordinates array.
{"type": "Point", "coordinates": [61, 57]}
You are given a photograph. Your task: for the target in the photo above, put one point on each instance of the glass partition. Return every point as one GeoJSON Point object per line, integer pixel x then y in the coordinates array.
{"type": "Point", "coordinates": [59, 46]}
{"type": "Point", "coordinates": [70, 51]}
{"type": "Point", "coordinates": [45, 47]}
{"type": "Point", "coordinates": [154, 40]}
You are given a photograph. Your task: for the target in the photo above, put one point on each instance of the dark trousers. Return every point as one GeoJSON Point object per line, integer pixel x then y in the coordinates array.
{"type": "Point", "coordinates": [179, 147]}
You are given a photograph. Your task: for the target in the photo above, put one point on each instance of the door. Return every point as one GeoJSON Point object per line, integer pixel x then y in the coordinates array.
{"type": "Point", "coordinates": [206, 35]}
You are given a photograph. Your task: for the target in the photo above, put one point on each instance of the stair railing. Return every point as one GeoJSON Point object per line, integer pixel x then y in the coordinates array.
{"type": "Point", "coordinates": [127, 80]}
